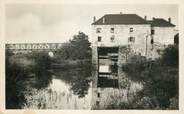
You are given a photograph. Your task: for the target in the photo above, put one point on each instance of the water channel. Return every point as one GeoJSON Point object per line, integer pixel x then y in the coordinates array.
{"type": "Point", "coordinates": [68, 89]}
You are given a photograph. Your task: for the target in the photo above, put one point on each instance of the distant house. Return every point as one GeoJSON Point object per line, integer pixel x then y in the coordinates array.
{"type": "Point", "coordinates": [114, 30]}
{"type": "Point", "coordinates": [162, 31]}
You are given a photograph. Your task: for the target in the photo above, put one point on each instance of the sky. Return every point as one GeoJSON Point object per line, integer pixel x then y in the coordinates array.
{"type": "Point", "coordinates": [57, 23]}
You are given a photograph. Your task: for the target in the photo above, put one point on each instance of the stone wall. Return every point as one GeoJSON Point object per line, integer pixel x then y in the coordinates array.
{"type": "Point", "coordinates": [164, 35]}
{"type": "Point", "coordinates": [121, 34]}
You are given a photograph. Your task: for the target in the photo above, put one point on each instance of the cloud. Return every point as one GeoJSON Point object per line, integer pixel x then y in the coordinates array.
{"type": "Point", "coordinates": [20, 28]}
{"type": "Point", "coordinates": [29, 28]}
{"type": "Point", "coordinates": [58, 23]}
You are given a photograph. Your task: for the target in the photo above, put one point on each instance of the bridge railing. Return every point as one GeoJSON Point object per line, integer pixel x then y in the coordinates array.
{"type": "Point", "coordinates": [34, 46]}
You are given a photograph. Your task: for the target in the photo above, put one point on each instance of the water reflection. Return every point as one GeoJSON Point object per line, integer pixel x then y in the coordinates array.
{"type": "Point", "coordinates": [67, 89]}
{"type": "Point", "coordinates": [78, 78]}
{"type": "Point", "coordinates": [59, 85]}
{"type": "Point", "coordinates": [68, 99]}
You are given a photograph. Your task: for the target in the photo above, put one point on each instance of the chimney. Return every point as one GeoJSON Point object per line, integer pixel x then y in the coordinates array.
{"type": "Point", "coordinates": [103, 20]}
{"type": "Point", "coordinates": [145, 17]}
{"type": "Point", "coordinates": [94, 19]}
{"type": "Point", "coordinates": [169, 20]}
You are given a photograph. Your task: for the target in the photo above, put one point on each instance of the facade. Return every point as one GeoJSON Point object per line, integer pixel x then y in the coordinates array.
{"type": "Point", "coordinates": [162, 31]}
{"type": "Point", "coordinates": [130, 29]}
{"type": "Point", "coordinates": [120, 29]}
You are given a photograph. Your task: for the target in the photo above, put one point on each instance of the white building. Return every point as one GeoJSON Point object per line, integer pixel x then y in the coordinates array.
{"type": "Point", "coordinates": [111, 34]}
{"type": "Point", "coordinates": [162, 31]}
{"type": "Point", "coordinates": [130, 29]}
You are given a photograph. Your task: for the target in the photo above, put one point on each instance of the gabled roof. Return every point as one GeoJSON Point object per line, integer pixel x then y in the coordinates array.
{"type": "Point", "coordinates": [117, 19]}
{"type": "Point", "coordinates": [159, 22]}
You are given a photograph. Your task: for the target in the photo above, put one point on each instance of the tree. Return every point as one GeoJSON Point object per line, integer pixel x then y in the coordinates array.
{"type": "Point", "coordinates": [160, 77]}
{"type": "Point", "coordinates": [15, 77]}
{"type": "Point", "coordinates": [170, 56]}
{"type": "Point", "coordinates": [80, 46]}
{"type": "Point", "coordinates": [76, 49]}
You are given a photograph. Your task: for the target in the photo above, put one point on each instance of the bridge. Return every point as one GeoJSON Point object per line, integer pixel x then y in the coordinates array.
{"type": "Point", "coordinates": [34, 46]}
{"type": "Point", "coordinates": [29, 47]}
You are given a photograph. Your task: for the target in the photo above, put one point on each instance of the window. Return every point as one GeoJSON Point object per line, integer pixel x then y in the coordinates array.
{"type": "Point", "coordinates": [131, 29]}
{"type": "Point", "coordinates": [98, 30]}
{"type": "Point", "coordinates": [112, 38]}
{"type": "Point", "coordinates": [152, 31]}
{"type": "Point", "coordinates": [112, 30]}
{"type": "Point", "coordinates": [97, 103]}
{"type": "Point", "coordinates": [152, 41]}
{"type": "Point", "coordinates": [131, 39]}
{"type": "Point", "coordinates": [98, 95]}
{"type": "Point", "coordinates": [99, 38]}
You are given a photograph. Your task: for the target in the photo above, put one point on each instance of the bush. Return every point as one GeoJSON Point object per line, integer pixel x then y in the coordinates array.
{"type": "Point", "coordinates": [17, 77]}
{"type": "Point", "coordinates": [77, 48]}
{"type": "Point", "coordinates": [160, 77]}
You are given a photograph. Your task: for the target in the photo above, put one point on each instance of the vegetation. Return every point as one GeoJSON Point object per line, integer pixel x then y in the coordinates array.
{"type": "Point", "coordinates": [32, 70]}
{"type": "Point", "coordinates": [76, 49]}
{"type": "Point", "coordinates": [15, 76]}
{"type": "Point", "coordinates": [20, 77]}
{"type": "Point", "coordinates": [160, 79]}
{"type": "Point", "coordinates": [40, 69]}
{"type": "Point", "coordinates": [74, 60]}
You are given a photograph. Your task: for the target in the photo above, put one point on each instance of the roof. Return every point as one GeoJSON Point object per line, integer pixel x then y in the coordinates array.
{"type": "Point", "coordinates": [159, 22]}
{"type": "Point", "coordinates": [110, 19]}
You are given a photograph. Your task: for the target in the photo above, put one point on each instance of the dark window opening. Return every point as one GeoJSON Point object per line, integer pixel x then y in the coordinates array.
{"type": "Point", "coordinates": [112, 30]}
{"type": "Point", "coordinates": [99, 38]}
{"type": "Point", "coordinates": [97, 103]}
{"type": "Point", "coordinates": [131, 39]}
{"type": "Point", "coordinates": [98, 95]}
{"type": "Point", "coordinates": [112, 38]}
{"type": "Point", "coordinates": [98, 30]}
{"type": "Point", "coordinates": [131, 29]}
{"type": "Point", "coordinates": [106, 50]}
{"type": "Point", "coordinates": [152, 41]}
{"type": "Point", "coordinates": [152, 31]}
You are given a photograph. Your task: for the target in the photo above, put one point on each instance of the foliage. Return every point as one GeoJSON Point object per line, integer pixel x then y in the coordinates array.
{"type": "Point", "coordinates": [136, 103]}
{"type": "Point", "coordinates": [40, 69]}
{"type": "Point", "coordinates": [160, 77]}
{"type": "Point", "coordinates": [18, 76]}
{"type": "Point", "coordinates": [171, 56]}
{"type": "Point", "coordinates": [75, 58]}
{"type": "Point", "coordinates": [15, 75]}
{"type": "Point", "coordinates": [77, 48]}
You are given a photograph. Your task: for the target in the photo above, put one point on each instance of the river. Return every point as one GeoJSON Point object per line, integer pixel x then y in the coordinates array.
{"type": "Point", "coordinates": [68, 99]}
{"type": "Point", "coordinates": [68, 89]}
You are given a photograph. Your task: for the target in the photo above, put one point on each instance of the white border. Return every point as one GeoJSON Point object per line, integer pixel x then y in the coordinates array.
{"type": "Point", "coordinates": [2, 56]}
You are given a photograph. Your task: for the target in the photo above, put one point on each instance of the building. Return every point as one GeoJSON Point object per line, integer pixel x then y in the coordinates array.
{"type": "Point", "coordinates": [162, 31]}
{"type": "Point", "coordinates": [113, 30]}
{"type": "Point", "coordinates": [120, 29]}
{"type": "Point", "coordinates": [115, 38]}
